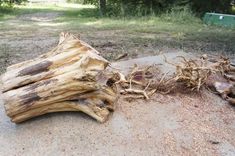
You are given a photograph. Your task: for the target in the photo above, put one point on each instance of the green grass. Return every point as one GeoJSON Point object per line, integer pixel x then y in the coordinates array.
{"type": "Point", "coordinates": [176, 30]}
{"type": "Point", "coordinates": [68, 10]}
{"type": "Point", "coordinates": [181, 30]}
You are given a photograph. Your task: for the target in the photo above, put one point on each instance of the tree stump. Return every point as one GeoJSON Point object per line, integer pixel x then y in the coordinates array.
{"type": "Point", "coordinates": [71, 77]}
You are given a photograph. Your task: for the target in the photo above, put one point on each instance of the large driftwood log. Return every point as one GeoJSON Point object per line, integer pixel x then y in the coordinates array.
{"type": "Point", "coordinates": [68, 78]}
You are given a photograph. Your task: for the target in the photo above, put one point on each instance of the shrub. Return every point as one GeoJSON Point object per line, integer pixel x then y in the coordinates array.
{"type": "Point", "coordinates": [181, 14]}
{"type": "Point", "coordinates": [150, 7]}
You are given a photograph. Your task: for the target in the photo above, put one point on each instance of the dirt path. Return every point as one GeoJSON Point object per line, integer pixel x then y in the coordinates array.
{"type": "Point", "coordinates": [26, 36]}
{"type": "Point", "coordinates": [39, 17]}
{"type": "Point", "coordinates": [30, 35]}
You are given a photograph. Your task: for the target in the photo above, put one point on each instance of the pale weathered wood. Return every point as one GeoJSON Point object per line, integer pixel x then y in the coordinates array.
{"type": "Point", "coordinates": [52, 65]}
{"type": "Point", "coordinates": [68, 78]}
{"type": "Point", "coordinates": [90, 103]}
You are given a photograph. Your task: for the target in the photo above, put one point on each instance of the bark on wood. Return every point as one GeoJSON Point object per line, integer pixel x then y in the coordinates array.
{"type": "Point", "coordinates": [68, 78]}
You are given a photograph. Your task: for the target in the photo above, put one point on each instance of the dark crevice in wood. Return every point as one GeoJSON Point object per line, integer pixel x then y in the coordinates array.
{"type": "Point", "coordinates": [36, 69]}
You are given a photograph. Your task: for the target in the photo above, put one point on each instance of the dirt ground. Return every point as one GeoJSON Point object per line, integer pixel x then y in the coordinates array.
{"type": "Point", "coordinates": [25, 41]}
{"type": "Point", "coordinates": [177, 124]}
{"type": "Point", "coordinates": [29, 35]}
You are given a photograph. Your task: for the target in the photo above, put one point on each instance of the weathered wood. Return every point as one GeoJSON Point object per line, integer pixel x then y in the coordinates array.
{"type": "Point", "coordinates": [51, 65]}
{"type": "Point", "coordinates": [97, 104]}
{"type": "Point", "coordinates": [65, 79]}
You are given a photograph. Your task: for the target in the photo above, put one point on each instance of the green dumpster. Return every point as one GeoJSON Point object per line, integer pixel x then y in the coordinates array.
{"type": "Point", "coordinates": [219, 19]}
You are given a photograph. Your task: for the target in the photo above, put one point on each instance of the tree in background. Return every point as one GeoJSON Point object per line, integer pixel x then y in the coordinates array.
{"type": "Point", "coordinates": [220, 6]}
{"type": "Point", "coordinates": [102, 7]}
{"type": "Point", "coordinates": [146, 7]}
{"type": "Point", "coordinates": [9, 3]}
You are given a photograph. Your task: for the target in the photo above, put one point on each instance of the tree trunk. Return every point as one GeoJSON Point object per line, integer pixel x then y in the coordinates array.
{"type": "Point", "coordinates": [103, 7]}
{"type": "Point", "coordinates": [68, 78]}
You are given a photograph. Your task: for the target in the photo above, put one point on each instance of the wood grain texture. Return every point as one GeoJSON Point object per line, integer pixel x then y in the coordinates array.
{"type": "Point", "coordinates": [68, 78]}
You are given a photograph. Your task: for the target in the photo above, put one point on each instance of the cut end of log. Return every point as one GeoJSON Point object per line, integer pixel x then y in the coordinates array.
{"type": "Point", "coordinates": [64, 79]}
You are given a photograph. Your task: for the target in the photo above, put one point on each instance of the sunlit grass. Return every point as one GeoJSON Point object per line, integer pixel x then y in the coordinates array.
{"type": "Point", "coordinates": [65, 8]}
{"type": "Point", "coordinates": [170, 29]}
{"type": "Point", "coordinates": [56, 7]}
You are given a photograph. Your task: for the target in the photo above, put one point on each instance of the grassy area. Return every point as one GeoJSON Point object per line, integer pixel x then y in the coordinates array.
{"type": "Point", "coordinates": [17, 10]}
{"type": "Point", "coordinates": [175, 30]}
{"type": "Point", "coordinates": [135, 35]}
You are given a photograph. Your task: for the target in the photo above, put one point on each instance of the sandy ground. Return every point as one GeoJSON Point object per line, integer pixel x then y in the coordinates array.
{"type": "Point", "coordinates": [23, 38]}
{"type": "Point", "coordinates": [179, 124]}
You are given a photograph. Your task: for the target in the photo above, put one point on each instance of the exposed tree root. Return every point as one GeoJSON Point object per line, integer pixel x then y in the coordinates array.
{"type": "Point", "coordinates": [192, 73]}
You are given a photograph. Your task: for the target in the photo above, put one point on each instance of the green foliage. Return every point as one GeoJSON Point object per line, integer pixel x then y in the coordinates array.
{"type": "Point", "coordinates": [219, 6]}
{"type": "Point", "coordinates": [180, 14]}
{"type": "Point", "coordinates": [9, 3]}
{"type": "Point", "coordinates": [150, 7]}
{"type": "Point", "coordinates": [6, 6]}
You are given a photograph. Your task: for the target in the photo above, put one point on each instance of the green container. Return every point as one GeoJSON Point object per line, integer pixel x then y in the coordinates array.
{"type": "Point", "coordinates": [219, 19]}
